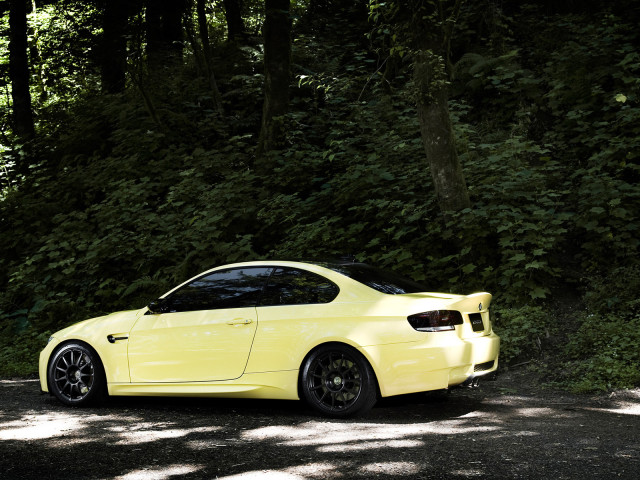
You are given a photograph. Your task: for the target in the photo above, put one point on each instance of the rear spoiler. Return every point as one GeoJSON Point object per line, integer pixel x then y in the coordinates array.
{"type": "Point", "coordinates": [476, 302]}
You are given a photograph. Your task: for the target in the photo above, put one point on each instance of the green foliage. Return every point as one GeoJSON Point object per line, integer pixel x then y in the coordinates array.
{"type": "Point", "coordinates": [20, 357]}
{"type": "Point", "coordinates": [128, 195]}
{"type": "Point", "coordinates": [524, 331]}
{"type": "Point", "coordinates": [513, 235]}
{"type": "Point", "coordinates": [604, 353]}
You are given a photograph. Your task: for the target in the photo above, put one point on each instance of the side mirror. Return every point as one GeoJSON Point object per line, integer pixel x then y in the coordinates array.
{"type": "Point", "coordinates": [156, 306]}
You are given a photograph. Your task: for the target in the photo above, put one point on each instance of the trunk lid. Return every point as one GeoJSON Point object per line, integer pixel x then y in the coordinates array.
{"type": "Point", "coordinates": [474, 309]}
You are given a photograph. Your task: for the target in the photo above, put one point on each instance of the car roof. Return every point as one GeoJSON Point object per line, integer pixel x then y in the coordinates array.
{"type": "Point", "coordinates": [318, 267]}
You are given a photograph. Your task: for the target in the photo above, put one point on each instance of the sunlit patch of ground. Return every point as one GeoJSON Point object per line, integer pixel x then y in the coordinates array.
{"type": "Point", "coordinates": [160, 473]}
{"type": "Point", "coordinates": [360, 446]}
{"type": "Point", "coordinates": [383, 434]}
{"type": "Point", "coordinates": [149, 432]}
{"type": "Point", "coordinates": [38, 426]}
{"type": "Point", "coordinates": [17, 382]}
{"type": "Point", "coordinates": [626, 403]}
{"type": "Point", "coordinates": [391, 468]}
{"type": "Point", "coordinates": [298, 472]}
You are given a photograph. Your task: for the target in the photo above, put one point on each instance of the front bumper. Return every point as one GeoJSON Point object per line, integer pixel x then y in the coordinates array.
{"type": "Point", "coordinates": [44, 363]}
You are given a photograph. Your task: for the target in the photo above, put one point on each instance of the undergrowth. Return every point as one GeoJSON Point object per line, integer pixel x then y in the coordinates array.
{"type": "Point", "coordinates": [118, 207]}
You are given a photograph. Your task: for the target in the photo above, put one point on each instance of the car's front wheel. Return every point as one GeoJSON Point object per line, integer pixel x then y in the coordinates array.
{"type": "Point", "coordinates": [338, 382]}
{"type": "Point", "coordinates": [76, 376]}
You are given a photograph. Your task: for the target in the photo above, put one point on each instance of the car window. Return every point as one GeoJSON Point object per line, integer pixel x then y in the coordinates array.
{"type": "Point", "coordinates": [291, 286]}
{"type": "Point", "coordinates": [380, 280]}
{"type": "Point", "coordinates": [231, 288]}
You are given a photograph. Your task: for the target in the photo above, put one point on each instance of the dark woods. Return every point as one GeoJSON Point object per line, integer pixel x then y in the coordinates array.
{"type": "Point", "coordinates": [486, 145]}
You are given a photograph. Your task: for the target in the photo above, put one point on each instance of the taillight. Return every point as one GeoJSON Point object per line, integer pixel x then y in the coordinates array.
{"type": "Point", "coordinates": [435, 321]}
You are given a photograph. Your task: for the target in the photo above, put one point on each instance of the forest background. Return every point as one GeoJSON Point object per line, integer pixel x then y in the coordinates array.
{"type": "Point", "coordinates": [145, 141]}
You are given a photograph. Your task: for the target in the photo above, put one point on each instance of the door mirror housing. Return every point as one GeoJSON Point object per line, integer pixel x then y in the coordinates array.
{"type": "Point", "coordinates": [156, 306]}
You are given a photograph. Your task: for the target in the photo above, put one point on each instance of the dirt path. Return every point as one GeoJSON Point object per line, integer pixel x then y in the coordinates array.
{"type": "Point", "coordinates": [505, 429]}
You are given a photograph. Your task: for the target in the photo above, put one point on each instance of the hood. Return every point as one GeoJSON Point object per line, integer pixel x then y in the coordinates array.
{"type": "Point", "coordinates": [118, 321]}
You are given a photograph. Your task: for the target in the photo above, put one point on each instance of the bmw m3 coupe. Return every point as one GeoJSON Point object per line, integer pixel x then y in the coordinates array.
{"type": "Point", "coordinates": [338, 335]}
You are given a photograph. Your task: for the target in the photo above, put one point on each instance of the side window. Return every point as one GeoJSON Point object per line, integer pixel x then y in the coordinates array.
{"type": "Point", "coordinates": [289, 286]}
{"type": "Point", "coordinates": [232, 288]}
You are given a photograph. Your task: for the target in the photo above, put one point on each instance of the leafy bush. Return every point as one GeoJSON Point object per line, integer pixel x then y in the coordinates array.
{"type": "Point", "coordinates": [120, 205]}
{"type": "Point", "coordinates": [604, 353]}
{"type": "Point", "coordinates": [20, 356]}
{"type": "Point", "coordinates": [524, 332]}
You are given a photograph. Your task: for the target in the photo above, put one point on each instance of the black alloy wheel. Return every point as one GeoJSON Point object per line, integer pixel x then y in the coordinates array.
{"type": "Point", "coordinates": [338, 382]}
{"type": "Point", "coordinates": [75, 375]}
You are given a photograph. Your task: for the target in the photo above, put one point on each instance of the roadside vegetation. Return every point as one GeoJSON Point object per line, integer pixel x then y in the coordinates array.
{"type": "Point", "coordinates": [117, 197]}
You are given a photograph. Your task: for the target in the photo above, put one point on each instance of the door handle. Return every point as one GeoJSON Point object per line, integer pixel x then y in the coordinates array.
{"type": "Point", "coordinates": [240, 321]}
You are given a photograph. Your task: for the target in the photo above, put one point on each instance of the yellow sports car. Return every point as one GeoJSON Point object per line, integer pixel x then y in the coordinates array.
{"type": "Point", "coordinates": [339, 335]}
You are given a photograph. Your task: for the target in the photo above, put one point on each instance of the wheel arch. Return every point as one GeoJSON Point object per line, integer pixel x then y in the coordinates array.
{"type": "Point", "coordinates": [70, 341]}
{"type": "Point", "coordinates": [343, 344]}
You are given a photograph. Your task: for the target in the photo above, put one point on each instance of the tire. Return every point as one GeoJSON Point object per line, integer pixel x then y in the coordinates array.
{"type": "Point", "coordinates": [338, 382]}
{"type": "Point", "coordinates": [76, 376]}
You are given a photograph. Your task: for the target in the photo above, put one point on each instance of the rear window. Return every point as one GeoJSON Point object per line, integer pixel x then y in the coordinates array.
{"type": "Point", "coordinates": [380, 280]}
{"type": "Point", "coordinates": [291, 286]}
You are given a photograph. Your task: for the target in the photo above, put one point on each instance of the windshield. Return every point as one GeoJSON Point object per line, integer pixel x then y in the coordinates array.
{"type": "Point", "coordinates": [380, 280]}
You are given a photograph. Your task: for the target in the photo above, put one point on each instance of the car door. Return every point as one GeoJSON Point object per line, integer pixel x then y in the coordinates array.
{"type": "Point", "coordinates": [295, 308]}
{"type": "Point", "coordinates": [205, 330]}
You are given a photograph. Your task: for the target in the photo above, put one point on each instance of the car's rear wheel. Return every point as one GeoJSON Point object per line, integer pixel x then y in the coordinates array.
{"type": "Point", "coordinates": [76, 376]}
{"type": "Point", "coordinates": [338, 382]}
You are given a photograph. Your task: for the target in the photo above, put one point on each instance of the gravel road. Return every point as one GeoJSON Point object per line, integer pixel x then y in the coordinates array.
{"type": "Point", "coordinates": [504, 429]}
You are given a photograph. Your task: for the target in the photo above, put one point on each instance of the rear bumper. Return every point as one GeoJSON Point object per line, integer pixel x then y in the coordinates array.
{"type": "Point", "coordinates": [443, 360]}
{"type": "Point", "coordinates": [484, 361]}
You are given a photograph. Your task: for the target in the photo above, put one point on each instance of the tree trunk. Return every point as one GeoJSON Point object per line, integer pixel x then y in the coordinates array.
{"type": "Point", "coordinates": [172, 26]}
{"type": "Point", "coordinates": [192, 38]}
{"type": "Point", "coordinates": [431, 27]}
{"type": "Point", "coordinates": [206, 47]}
{"type": "Point", "coordinates": [153, 24]}
{"type": "Point", "coordinates": [34, 55]}
{"type": "Point", "coordinates": [19, 69]}
{"type": "Point", "coordinates": [114, 46]}
{"type": "Point", "coordinates": [277, 56]}
{"type": "Point", "coordinates": [437, 133]}
{"type": "Point", "coordinates": [163, 20]}
{"type": "Point", "coordinates": [233, 14]}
